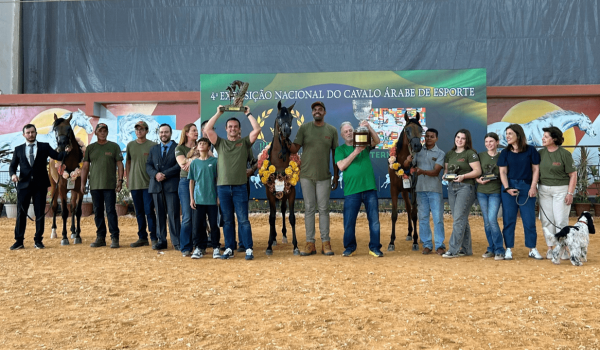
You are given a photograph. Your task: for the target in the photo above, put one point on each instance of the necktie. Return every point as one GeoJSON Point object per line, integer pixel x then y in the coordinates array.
{"type": "Point", "coordinates": [31, 154]}
{"type": "Point", "coordinates": [164, 151]}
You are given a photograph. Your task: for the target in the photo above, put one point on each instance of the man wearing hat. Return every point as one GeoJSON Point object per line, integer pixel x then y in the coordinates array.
{"type": "Point", "coordinates": [103, 162]}
{"type": "Point", "coordinates": [138, 181]}
{"type": "Point", "coordinates": [316, 139]}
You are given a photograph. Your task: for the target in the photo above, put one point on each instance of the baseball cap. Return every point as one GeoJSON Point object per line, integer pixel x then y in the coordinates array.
{"type": "Point", "coordinates": [317, 103]}
{"type": "Point", "coordinates": [142, 123]}
{"type": "Point", "coordinates": [101, 125]}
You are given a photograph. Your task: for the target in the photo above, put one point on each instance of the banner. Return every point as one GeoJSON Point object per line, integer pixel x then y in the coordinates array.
{"type": "Point", "coordinates": [447, 100]}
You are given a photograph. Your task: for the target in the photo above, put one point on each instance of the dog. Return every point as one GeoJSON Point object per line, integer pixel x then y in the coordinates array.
{"type": "Point", "coordinates": [576, 238]}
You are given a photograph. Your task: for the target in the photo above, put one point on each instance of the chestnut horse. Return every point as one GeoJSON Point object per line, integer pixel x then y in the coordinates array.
{"type": "Point", "coordinates": [408, 143]}
{"type": "Point", "coordinates": [279, 156]}
{"type": "Point", "coordinates": [66, 137]}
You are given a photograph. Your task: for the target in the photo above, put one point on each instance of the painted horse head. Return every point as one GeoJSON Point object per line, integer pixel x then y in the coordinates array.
{"type": "Point", "coordinates": [63, 131]}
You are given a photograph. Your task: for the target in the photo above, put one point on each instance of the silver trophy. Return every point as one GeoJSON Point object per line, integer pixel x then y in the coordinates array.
{"type": "Point", "coordinates": [362, 111]}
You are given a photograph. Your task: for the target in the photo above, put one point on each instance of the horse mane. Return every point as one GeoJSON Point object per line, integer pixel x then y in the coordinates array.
{"type": "Point", "coordinates": [284, 152]}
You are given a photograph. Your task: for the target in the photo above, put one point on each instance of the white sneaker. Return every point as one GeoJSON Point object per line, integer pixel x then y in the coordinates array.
{"type": "Point", "coordinates": [508, 254]}
{"type": "Point", "coordinates": [197, 253]}
{"type": "Point", "coordinates": [216, 253]}
{"type": "Point", "coordinates": [533, 253]}
{"type": "Point", "coordinates": [227, 254]}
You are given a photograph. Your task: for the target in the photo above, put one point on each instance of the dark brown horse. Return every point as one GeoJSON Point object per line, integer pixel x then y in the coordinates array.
{"type": "Point", "coordinates": [409, 143]}
{"type": "Point", "coordinates": [66, 137]}
{"type": "Point", "coordinates": [279, 157]}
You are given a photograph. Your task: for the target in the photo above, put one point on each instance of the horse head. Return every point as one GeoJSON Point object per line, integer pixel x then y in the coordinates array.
{"type": "Point", "coordinates": [81, 120]}
{"type": "Point", "coordinates": [586, 125]}
{"type": "Point", "coordinates": [284, 120]}
{"type": "Point", "coordinates": [63, 131]}
{"type": "Point", "coordinates": [413, 132]}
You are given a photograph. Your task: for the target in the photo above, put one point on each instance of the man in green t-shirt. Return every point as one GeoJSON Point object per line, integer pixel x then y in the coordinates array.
{"type": "Point", "coordinates": [360, 187]}
{"type": "Point", "coordinates": [138, 181]}
{"type": "Point", "coordinates": [103, 161]}
{"type": "Point", "coordinates": [316, 139]}
{"type": "Point", "coordinates": [231, 182]}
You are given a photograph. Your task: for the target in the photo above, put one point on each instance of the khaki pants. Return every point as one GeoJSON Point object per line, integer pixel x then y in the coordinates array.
{"type": "Point", "coordinates": [316, 194]}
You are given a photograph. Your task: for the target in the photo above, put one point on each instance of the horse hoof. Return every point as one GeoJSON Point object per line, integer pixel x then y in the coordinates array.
{"type": "Point", "coordinates": [274, 243]}
{"type": "Point", "coordinates": [53, 235]}
{"type": "Point", "coordinates": [72, 235]}
{"type": "Point", "coordinates": [77, 240]}
{"type": "Point", "coordinates": [409, 238]}
{"type": "Point", "coordinates": [391, 248]}
{"type": "Point", "coordinates": [284, 240]}
{"type": "Point", "coordinates": [269, 252]}
{"type": "Point", "coordinates": [296, 251]}
{"type": "Point", "coordinates": [64, 242]}
{"type": "Point", "coordinates": [415, 247]}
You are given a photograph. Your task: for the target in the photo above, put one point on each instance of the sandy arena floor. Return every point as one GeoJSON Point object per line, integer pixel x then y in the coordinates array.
{"type": "Point", "coordinates": [76, 297]}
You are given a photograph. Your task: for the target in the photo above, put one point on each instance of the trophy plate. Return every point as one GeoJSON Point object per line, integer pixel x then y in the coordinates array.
{"type": "Point", "coordinates": [232, 108]}
{"type": "Point", "coordinates": [361, 138]}
{"type": "Point", "coordinates": [489, 177]}
{"type": "Point", "coordinates": [450, 177]}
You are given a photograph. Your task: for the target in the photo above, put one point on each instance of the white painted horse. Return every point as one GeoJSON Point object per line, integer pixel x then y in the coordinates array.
{"type": "Point", "coordinates": [564, 120]}
{"type": "Point", "coordinates": [127, 123]}
{"type": "Point", "coordinates": [13, 139]}
{"type": "Point", "coordinates": [255, 180]}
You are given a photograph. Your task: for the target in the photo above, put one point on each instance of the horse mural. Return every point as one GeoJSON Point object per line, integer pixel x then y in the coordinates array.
{"type": "Point", "coordinates": [564, 120]}
{"type": "Point", "coordinates": [126, 127]}
{"type": "Point", "coordinates": [279, 171]}
{"type": "Point", "coordinates": [408, 143]}
{"type": "Point", "coordinates": [11, 140]}
{"type": "Point", "coordinates": [66, 178]}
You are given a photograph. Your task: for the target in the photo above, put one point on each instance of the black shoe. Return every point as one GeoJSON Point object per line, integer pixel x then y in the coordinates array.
{"type": "Point", "coordinates": [39, 245]}
{"type": "Point", "coordinates": [114, 243]}
{"type": "Point", "coordinates": [176, 247]}
{"type": "Point", "coordinates": [99, 242]}
{"type": "Point", "coordinates": [139, 243]}
{"type": "Point", "coordinates": [159, 246]}
{"type": "Point", "coordinates": [241, 249]}
{"type": "Point", "coordinates": [17, 246]}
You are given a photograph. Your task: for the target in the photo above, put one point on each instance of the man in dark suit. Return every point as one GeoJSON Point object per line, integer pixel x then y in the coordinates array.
{"type": "Point", "coordinates": [164, 182]}
{"type": "Point", "coordinates": [32, 159]}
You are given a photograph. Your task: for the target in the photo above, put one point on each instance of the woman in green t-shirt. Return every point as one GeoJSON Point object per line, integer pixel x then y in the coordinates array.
{"type": "Point", "coordinates": [463, 161]}
{"type": "Point", "coordinates": [489, 198]}
{"type": "Point", "coordinates": [558, 177]}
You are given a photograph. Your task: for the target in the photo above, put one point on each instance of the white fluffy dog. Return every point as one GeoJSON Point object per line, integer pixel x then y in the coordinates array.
{"type": "Point", "coordinates": [576, 238]}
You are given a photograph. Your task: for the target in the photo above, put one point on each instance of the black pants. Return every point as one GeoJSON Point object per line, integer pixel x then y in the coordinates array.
{"type": "Point", "coordinates": [167, 208]}
{"type": "Point", "coordinates": [24, 197]}
{"type": "Point", "coordinates": [199, 238]}
{"type": "Point", "coordinates": [108, 198]}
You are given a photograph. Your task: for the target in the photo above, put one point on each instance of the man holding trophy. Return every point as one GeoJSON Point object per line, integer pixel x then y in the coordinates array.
{"type": "Point", "coordinates": [359, 180]}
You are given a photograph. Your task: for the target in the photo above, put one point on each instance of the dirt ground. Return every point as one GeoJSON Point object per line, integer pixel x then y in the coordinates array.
{"type": "Point", "coordinates": [76, 297]}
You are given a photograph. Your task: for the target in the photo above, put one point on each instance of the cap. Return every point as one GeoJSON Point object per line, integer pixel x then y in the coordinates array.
{"type": "Point", "coordinates": [142, 123]}
{"type": "Point", "coordinates": [317, 103]}
{"type": "Point", "coordinates": [101, 125]}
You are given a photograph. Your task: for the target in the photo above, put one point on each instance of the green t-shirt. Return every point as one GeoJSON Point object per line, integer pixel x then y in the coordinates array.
{"type": "Point", "coordinates": [137, 154]}
{"type": "Point", "coordinates": [204, 173]}
{"type": "Point", "coordinates": [316, 142]}
{"type": "Point", "coordinates": [182, 150]}
{"type": "Point", "coordinates": [494, 185]}
{"type": "Point", "coordinates": [462, 159]}
{"type": "Point", "coordinates": [233, 156]}
{"type": "Point", "coordinates": [103, 165]}
{"type": "Point", "coordinates": [555, 167]}
{"type": "Point", "coordinates": [359, 175]}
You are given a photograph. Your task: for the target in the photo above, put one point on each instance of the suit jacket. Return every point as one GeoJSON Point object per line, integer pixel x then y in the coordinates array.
{"type": "Point", "coordinates": [35, 176]}
{"type": "Point", "coordinates": [168, 166]}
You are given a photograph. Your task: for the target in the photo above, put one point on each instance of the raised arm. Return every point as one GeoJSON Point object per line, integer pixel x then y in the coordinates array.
{"type": "Point", "coordinates": [255, 127]}
{"type": "Point", "coordinates": [209, 127]}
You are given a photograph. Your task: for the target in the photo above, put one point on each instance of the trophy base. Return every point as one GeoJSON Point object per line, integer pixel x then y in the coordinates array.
{"type": "Point", "coordinates": [450, 177]}
{"type": "Point", "coordinates": [232, 108]}
{"type": "Point", "coordinates": [489, 177]}
{"type": "Point", "coordinates": [361, 138]}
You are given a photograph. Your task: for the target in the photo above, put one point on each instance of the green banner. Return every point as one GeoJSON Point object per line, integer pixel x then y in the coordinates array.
{"type": "Point", "coordinates": [447, 100]}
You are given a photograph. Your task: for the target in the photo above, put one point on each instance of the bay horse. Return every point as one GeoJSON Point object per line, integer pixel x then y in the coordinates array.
{"type": "Point", "coordinates": [66, 137]}
{"type": "Point", "coordinates": [409, 143]}
{"type": "Point", "coordinates": [279, 156]}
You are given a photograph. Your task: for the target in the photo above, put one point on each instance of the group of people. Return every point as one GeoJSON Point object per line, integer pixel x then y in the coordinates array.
{"type": "Point", "coordinates": [207, 178]}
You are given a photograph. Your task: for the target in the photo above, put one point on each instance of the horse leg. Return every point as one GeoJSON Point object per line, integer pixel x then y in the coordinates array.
{"type": "Point", "coordinates": [291, 199]}
{"type": "Point", "coordinates": [412, 215]}
{"type": "Point", "coordinates": [415, 219]}
{"type": "Point", "coordinates": [272, 215]}
{"type": "Point", "coordinates": [65, 216]}
{"type": "Point", "coordinates": [78, 216]}
{"type": "Point", "coordinates": [408, 214]}
{"type": "Point", "coordinates": [283, 210]}
{"type": "Point", "coordinates": [73, 206]}
{"type": "Point", "coordinates": [54, 210]}
{"type": "Point", "coordinates": [394, 192]}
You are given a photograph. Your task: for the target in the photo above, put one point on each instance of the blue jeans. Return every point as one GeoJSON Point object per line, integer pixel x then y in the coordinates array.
{"type": "Point", "coordinates": [509, 214]}
{"type": "Point", "coordinates": [144, 210]}
{"type": "Point", "coordinates": [100, 199]}
{"type": "Point", "coordinates": [461, 197]}
{"type": "Point", "coordinates": [351, 209]}
{"type": "Point", "coordinates": [426, 202]}
{"type": "Point", "coordinates": [234, 200]}
{"type": "Point", "coordinates": [185, 234]}
{"type": "Point", "coordinates": [490, 204]}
